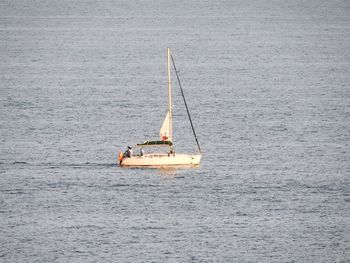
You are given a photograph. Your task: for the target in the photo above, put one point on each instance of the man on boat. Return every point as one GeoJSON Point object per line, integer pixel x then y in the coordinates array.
{"type": "Point", "coordinates": [128, 152]}
{"type": "Point", "coordinates": [142, 152]}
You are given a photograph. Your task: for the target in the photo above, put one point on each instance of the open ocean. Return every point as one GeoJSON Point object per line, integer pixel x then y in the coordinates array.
{"type": "Point", "coordinates": [268, 87]}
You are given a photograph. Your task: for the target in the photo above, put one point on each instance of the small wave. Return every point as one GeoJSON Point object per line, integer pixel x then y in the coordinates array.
{"type": "Point", "coordinates": [61, 165]}
{"type": "Point", "coordinates": [119, 185]}
{"type": "Point", "coordinates": [279, 128]}
{"type": "Point", "coordinates": [19, 163]}
{"type": "Point", "coordinates": [148, 228]}
{"type": "Point", "coordinates": [84, 226]}
{"type": "Point", "coordinates": [13, 191]}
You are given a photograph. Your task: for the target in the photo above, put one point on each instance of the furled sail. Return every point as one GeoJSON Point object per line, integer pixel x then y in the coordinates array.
{"type": "Point", "coordinates": [164, 133]}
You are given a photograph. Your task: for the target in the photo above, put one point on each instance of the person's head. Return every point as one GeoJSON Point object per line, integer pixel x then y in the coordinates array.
{"type": "Point", "coordinates": [129, 147]}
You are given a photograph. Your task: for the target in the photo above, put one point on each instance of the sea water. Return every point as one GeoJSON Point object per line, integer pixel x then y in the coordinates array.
{"type": "Point", "coordinates": [267, 84]}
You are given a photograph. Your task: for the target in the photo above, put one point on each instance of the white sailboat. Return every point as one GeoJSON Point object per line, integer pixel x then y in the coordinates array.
{"type": "Point", "coordinates": [168, 158]}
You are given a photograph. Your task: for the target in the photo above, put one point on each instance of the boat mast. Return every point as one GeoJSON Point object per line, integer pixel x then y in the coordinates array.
{"type": "Point", "coordinates": [169, 99]}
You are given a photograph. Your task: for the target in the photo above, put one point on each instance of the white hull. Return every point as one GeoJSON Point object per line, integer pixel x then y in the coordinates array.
{"type": "Point", "coordinates": [162, 160]}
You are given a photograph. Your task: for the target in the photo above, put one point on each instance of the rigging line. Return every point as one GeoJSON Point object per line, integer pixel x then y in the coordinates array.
{"type": "Point", "coordinates": [183, 96]}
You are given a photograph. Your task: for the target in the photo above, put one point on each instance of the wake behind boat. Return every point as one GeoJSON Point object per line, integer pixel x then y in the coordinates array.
{"type": "Point", "coordinates": [167, 157]}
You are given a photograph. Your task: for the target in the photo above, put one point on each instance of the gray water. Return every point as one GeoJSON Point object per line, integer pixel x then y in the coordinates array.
{"type": "Point", "coordinates": [267, 83]}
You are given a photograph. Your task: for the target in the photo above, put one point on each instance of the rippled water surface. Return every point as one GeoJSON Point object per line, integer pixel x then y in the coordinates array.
{"type": "Point", "coordinates": [267, 83]}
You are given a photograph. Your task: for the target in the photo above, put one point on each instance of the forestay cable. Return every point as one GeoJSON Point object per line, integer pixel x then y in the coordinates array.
{"type": "Point", "coordinates": [183, 96]}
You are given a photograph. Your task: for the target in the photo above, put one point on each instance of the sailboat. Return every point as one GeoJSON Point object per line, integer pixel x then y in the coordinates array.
{"type": "Point", "coordinates": [169, 157]}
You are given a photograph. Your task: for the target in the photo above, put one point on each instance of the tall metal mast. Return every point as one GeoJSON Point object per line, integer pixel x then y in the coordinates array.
{"type": "Point", "coordinates": [169, 99]}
